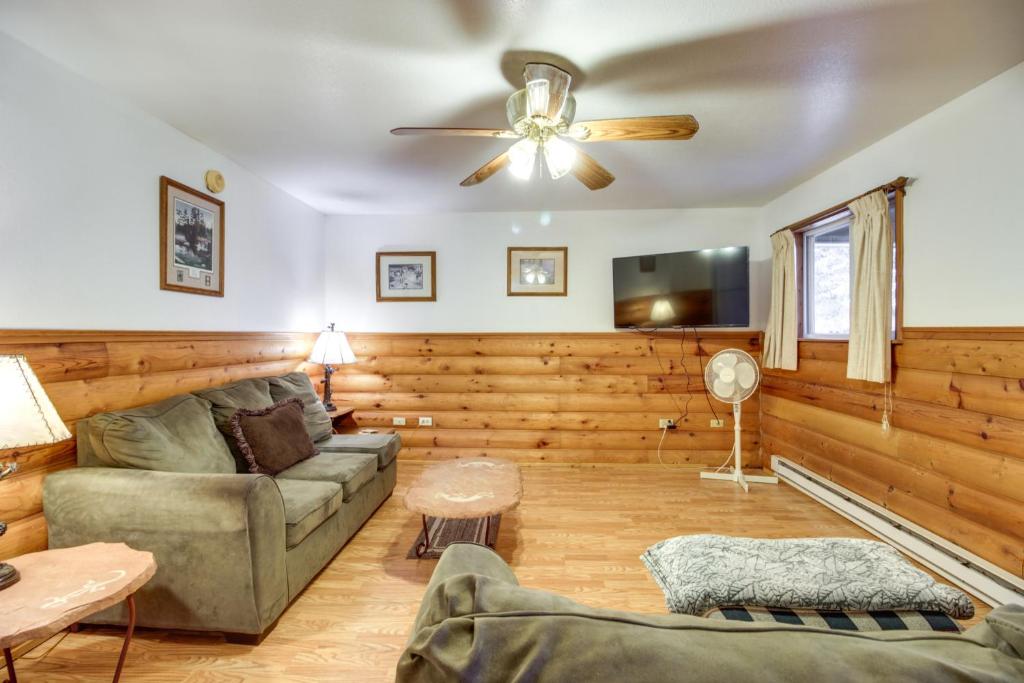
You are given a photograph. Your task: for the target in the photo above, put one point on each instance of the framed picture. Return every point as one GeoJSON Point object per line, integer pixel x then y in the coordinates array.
{"type": "Point", "coordinates": [191, 240]}
{"type": "Point", "coordinates": [538, 271]}
{"type": "Point", "coordinates": [406, 276]}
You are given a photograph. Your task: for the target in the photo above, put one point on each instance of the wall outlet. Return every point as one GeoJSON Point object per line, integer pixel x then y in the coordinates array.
{"type": "Point", "coordinates": [666, 423]}
{"type": "Point", "coordinates": [717, 423]}
{"type": "Point", "coordinates": [398, 421]}
{"type": "Point", "coordinates": [426, 422]}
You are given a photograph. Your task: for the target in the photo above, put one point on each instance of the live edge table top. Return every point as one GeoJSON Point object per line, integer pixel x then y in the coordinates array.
{"type": "Point", "coordinates": [466, 488]}
{"type": "Point", "coordinates": [63, 586]}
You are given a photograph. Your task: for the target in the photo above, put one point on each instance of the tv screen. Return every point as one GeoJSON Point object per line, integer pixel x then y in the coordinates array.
{"type": "Point", "coordinates": [705, 288]}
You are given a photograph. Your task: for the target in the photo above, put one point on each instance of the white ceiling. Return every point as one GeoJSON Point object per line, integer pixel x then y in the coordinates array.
{"type": "Point", "coordinates": [304, 93]}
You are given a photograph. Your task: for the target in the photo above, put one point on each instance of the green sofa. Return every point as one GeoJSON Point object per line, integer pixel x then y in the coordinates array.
{"type": "Point", "coordinates": [477, 624]}
{"type": "Point", "coordinates": [233, 549]}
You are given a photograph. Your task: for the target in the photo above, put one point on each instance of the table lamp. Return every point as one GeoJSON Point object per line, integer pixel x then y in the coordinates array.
{"type": "Point", "coordinates": [331, 348]}
{"type": "Point", "coordinates": [27, 418]}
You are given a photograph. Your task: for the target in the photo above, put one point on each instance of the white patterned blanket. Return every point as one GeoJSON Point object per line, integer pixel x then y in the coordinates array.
{"type": "Point", "coordinates": [699, 573]}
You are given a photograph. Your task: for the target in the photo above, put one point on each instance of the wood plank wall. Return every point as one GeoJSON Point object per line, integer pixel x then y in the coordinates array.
{"type": "Point", "coordinates": [953, 460]}
{"type": "Point", "coordinates": [565, 398]}
{"type": "Point", "coordinates": [90, 372]}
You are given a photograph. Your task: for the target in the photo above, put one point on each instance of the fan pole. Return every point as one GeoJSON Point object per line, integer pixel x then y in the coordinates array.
{"type": "Point", "coordinates": [737, 471]}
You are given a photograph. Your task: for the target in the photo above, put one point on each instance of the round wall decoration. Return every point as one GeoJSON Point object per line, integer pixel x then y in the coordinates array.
{"type": "Point", "coordinates": [214, 181]}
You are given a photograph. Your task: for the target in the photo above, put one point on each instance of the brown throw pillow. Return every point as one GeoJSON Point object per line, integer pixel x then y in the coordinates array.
{"type": "Point", "coordinates": [273, 439]}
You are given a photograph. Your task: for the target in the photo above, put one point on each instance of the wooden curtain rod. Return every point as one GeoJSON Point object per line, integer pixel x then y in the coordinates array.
{"type": "Point", "coordinates": [897, 184]}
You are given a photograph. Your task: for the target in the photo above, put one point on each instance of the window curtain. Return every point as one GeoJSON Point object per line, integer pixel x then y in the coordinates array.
{"type": "Point", "coordinates": [871, 293]}
{"type": "Point", "coordinates": [780, 335]}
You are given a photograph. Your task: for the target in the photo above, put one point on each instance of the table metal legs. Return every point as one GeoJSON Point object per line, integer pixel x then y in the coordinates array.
{"type": "Point", "coordinates": [421, 548]}
{"type": "Point", "coordinates": [130, 600]}
{"type": "Point", "coordinates": [127, 637]}
{"type": "Point", "coordinates": [9, 661]}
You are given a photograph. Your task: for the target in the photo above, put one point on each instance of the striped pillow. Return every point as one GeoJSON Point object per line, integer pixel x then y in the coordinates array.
{"type": "Point", "coordinates": [876, 620]}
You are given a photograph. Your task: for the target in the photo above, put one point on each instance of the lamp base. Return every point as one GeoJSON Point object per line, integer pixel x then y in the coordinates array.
{"type": "Point", "coordinates": [8, 575]}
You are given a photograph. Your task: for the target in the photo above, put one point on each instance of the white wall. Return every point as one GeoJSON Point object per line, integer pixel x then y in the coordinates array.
{"type": "Point", "coordinates": [963, 218]}
{"type": "Point", "coordinates": [471, 265]}
{"type": "Point", "coordinates": [79, 204]}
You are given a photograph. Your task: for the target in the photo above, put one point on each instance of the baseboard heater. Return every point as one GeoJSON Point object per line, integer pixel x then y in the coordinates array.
{"type": "Point", "coordinates": [980, 577]}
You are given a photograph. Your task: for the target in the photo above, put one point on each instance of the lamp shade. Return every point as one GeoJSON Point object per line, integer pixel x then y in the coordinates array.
{"type": "Point", "coordinates": [332, 348]}
{"type": "Point", "coordinates": [27, 417]}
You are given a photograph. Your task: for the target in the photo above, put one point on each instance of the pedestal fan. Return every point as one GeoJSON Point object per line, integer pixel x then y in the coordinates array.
{"type": "Point", "coordinates": [732, 377]}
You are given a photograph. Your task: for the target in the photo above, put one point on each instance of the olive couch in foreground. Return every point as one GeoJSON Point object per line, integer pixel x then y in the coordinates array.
{"type": "Point", "coordinates": [477, 624]}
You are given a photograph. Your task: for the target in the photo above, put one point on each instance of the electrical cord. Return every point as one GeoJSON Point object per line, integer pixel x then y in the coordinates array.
{"type": "Point", "coordinates": [700, 357]}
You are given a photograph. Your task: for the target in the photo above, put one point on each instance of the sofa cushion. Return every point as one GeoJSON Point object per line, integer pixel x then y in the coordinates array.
{"type": "Point", "coordinates": [352, 470]}
{"type": "Point", "coordinates": [318, 422]}
{"type": "Point", "coordinates": [385, 446]}
{"type": "Point", "coordinates": [700, 572]}
{"type": "Point", "coordinates": [307, 504]}
{"type": "Point", "coordinates": [251, 394]}
{"type": "Point", "coordinates": [273, 439]}
{"type": "Point", "coordinates": [174, 435]}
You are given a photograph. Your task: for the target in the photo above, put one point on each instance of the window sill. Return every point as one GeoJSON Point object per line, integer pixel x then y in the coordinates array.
{"type": "Point", "coordinates": [833, 340]}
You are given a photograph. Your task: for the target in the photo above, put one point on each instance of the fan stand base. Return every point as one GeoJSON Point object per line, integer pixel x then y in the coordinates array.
{"type": "Point", "coordinates": [740, 478]}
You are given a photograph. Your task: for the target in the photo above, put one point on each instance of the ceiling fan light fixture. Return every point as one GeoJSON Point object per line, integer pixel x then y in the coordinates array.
{"type": "Point", "coordinates": [559, 156]}
{"type": "Point", "coordinates": [537, 97]}
{"type": "Point", "coordinates": [522, 157]}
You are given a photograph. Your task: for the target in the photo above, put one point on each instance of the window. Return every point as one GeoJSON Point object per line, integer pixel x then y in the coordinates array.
{"type": "Point", "coordinates": [825, 259]}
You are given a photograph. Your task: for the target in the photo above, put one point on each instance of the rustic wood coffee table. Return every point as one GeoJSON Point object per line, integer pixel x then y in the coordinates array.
{"type": "Point", "coordinates": [468, 488]}
{"type": "Point", "coordinates": [59, 588]}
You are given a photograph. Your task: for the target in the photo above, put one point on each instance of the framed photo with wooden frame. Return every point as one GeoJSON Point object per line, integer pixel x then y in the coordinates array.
{"type": "Point", "coordinates": [406, 276]}
{"type": "Point", "coordinates": [191, 240]}
{"type": "Point", "coordinates": [538, 271]}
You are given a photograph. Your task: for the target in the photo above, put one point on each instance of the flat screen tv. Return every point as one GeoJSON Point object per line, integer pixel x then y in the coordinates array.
{"type": "Point", "coordinates": [705, 288]}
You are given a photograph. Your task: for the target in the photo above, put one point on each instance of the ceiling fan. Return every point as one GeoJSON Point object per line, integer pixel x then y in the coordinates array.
{"type": "Point", "coordinates": [541, 118]}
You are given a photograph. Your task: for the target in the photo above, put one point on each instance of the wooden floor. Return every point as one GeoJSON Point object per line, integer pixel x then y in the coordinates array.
{"type": "Point", "coordinates": [579, 532]}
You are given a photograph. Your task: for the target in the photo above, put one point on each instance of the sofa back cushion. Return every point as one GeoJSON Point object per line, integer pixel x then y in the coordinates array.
{"type": "Point", "coordinates": [297, 384]}
{"type": "Point", "coordinates": [174, 435]}
{"type": "Point", "coordinates": [248, 394]}
{"type": "Point", "coordinates": [273, 439]}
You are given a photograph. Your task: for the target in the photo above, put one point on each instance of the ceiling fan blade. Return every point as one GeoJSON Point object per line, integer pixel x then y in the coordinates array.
{"type": "Point", "coordinates": [487, 170]}
{"type": "Point", "coordinates": [590, 173]}
{"type": "Point", "coordinates": [457, 132]}
{"type": "Point", "coordinates": [681, 127]}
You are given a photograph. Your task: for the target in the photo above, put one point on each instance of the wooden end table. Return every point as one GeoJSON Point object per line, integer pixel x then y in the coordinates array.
{"type": "Point", "coordinates": [344, 422]}
{"type": "Point", "coordinates": [60, 587]}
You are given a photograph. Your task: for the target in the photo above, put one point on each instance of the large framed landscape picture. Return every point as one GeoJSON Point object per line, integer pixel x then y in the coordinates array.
{"type": "Point", "coordinates": [191, 240]}
{"type": "Point", "coordinates": [538, 271]}
{"type": "Point", "coordinates": [406, 276]}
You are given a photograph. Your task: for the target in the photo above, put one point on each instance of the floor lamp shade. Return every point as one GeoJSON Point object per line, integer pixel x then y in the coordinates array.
{"type": "Point", "coordinates": [27, 417]}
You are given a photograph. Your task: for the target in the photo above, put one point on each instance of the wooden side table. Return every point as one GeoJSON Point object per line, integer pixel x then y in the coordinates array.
{"type": "Point", "coordinates": [59, 588]}
{"type": "Point", "coordinates": [342, 419]}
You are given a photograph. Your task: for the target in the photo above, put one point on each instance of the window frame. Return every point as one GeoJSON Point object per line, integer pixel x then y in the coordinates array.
{"type": "Point", "coordinates": [895, 192]}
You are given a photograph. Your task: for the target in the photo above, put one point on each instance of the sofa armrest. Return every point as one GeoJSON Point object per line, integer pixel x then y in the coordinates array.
{"type": "Point", "coordinates": [218, 540]}
{"type": "Point", "coordinates": [458, 559]}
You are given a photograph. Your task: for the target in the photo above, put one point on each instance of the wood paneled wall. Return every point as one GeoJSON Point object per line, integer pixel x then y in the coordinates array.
{"type": "Point", "coordinates": [90, 372]}
{"type": "Point", "coordinates": [953, 460]}
{"type": "Point", "coordinates": [565, 398]}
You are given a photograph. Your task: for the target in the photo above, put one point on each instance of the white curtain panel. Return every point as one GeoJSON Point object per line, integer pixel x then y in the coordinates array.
{"type": "Point", "coordinates": [871, 295]}
{"type": "Point", "coordinates": [780, 336]}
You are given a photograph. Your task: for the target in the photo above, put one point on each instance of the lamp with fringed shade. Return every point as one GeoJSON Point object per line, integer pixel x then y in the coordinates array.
{"type": "Point", "coordinates": [331, 348]}
{"type": "Point", "coordinates": [27, 418]}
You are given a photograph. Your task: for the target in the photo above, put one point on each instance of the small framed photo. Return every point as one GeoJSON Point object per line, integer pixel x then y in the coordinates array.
{"type": "Point", "coordinates": [538, 271]}
{"type": "Point", "coordinates": [406, 276]}
{"type": "Point", "coordinates": [191, 240]}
